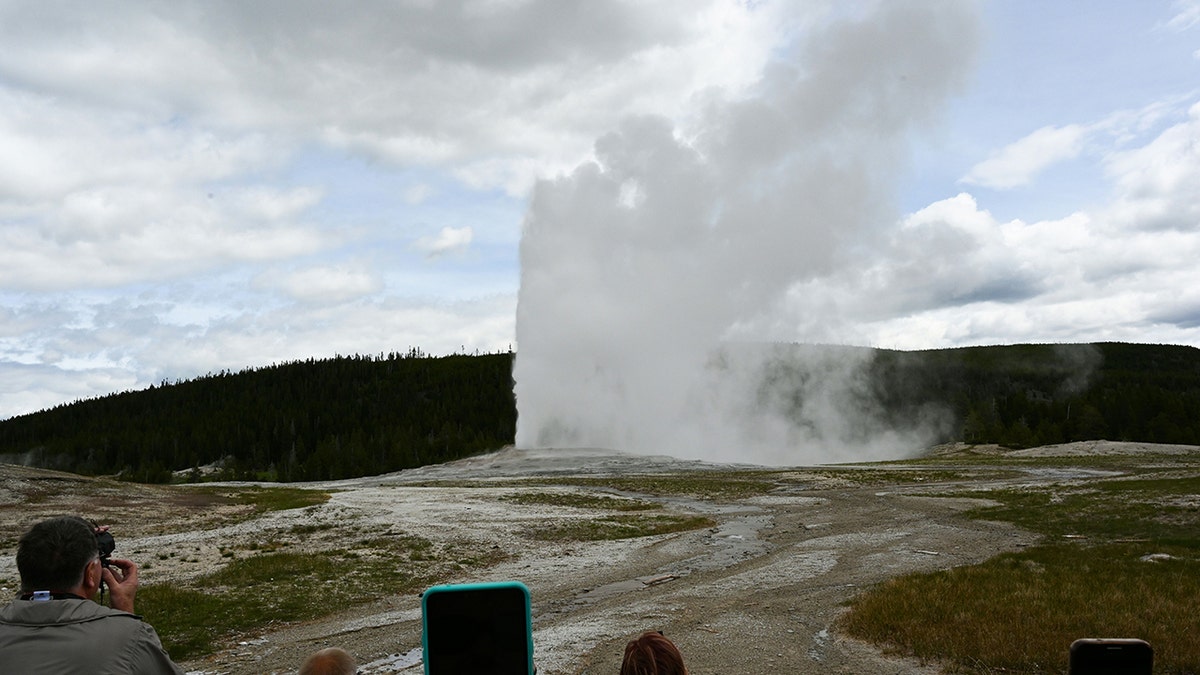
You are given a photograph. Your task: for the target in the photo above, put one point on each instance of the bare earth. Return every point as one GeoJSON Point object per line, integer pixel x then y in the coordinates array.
{"type": "Point", "coordinates": [758, 593]}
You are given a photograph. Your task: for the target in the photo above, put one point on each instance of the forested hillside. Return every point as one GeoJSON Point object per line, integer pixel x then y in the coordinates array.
{"type": "Point", "coordinates": [316, 419]}
{"type": "Point", "coordinates": [365, 415]}
{"type": "Point", "coordinates": [1027, 395]}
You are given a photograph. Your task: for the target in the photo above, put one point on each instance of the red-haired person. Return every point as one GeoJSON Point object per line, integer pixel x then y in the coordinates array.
{"type": "Point", "coordinates": [652, 654]}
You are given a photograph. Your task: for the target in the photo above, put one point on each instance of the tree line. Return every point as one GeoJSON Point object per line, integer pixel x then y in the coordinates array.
{"type": "Point", "coordinates": [305, 420]}
{"type": "Point", "coordinates": [365, 415]}
{"type": "Point", "coordinates": [1030, 395]}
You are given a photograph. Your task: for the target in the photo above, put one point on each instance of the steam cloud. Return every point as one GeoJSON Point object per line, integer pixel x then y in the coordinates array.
{"type": "Point", "coordinates": [653, 277]}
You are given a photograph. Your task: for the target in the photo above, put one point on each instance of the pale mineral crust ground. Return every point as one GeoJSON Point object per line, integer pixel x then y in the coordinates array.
{"type": "Point", "coordinates": [758, 593]}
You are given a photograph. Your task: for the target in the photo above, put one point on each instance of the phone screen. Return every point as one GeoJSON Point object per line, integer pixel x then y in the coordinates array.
{"type": "Point", "coordinates": [1111, 657]}
{"type": "Point", "coordinates": [477, 628]}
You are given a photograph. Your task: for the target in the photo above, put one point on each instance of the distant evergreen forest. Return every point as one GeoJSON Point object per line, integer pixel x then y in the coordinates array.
{"type": "Point", "coordinates": [1029, 395]}
{"type": "Point", "coordinates": [306, 420]}
{"type": "Point", "coordinates": [366, 415]}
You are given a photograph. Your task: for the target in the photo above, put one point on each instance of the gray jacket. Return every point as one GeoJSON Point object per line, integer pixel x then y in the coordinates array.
{"type": "Point", "coordinates": [78, 636]}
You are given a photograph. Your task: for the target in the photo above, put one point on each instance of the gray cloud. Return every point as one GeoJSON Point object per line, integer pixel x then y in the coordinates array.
{"type": "Point", "coordinates": [410, 82]}
{"type": "Point", "coordinates": [1185, 315]}
{"type": "Point", "coordinates": [1008, 289]}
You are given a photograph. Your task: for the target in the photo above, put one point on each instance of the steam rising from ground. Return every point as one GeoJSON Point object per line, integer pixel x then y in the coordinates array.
{"type": "Point", "coordinates": [653, 277]}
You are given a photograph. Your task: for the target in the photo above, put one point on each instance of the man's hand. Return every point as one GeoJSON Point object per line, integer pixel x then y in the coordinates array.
{"type": "Point", "coordinates": [122, 583]}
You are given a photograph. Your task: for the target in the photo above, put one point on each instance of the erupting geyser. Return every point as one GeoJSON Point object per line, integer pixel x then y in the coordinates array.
{"type": "Point", "coordinates": [656, 278]}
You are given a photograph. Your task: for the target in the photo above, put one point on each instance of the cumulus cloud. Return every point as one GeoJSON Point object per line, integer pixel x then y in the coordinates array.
{"type": "Point", "coordinates": [951, 273]}
{"type": "Point", "coordinates": [1158, 185]}
{"type": "Point", "coordinates": [952, 254]}
{"type": "Point", "coordinates": [94, 199]}
{"type": "Point", "coordinates": [118, 235]}
{"type": "Point", "coordinates": [324, 284]}
{"type": "Point", "coordinates": [1020, 162]}
{"type": "Point", "coordinates": [1016, 164]}
{"type": "Point", "coordinates": [126, 132]}
{"type": "Point", "coordinates": [926, 281]}
{"type": "Point", "coordinates": [50, 149]}
{"type": "Point", "coordinates": [447, 240]}
{"type": "Point", "coordinates": [404, 82]}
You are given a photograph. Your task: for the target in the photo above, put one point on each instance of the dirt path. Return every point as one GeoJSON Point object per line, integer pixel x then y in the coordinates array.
{"type": "Point", "coordinates": [773, 611]}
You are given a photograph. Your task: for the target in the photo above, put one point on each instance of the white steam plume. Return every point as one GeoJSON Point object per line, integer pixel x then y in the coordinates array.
{"type": "Point", "coordinates": [640, 268]}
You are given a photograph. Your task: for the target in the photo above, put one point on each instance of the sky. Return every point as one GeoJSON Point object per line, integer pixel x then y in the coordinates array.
{"type": "Point", "coordinates": [190, 187]}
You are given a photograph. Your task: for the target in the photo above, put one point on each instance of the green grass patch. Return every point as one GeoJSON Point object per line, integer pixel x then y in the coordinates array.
{"type": "Point", "coordinates": [580, 501]}
{"type": "Point", "coordinates": [262, 499]}
{"type": "Point", "coordinates": [186, 619]}
{"type": "Point", "coordinates": [618, 527]}
{"type": "Point", "coordinates": [279, 498]}
{"type": "Point", "coordinates": [251, 594]}
{"type": "Point", "coordinates": [255, 592]}
{"type": "Point", "coordinates": [1019, 613]}
{"type": "Point", "coordinates": [1163, 511]}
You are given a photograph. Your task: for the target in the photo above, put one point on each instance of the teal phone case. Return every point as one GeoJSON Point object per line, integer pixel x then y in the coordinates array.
{"type": "Point", "coordinates": [464, 626]}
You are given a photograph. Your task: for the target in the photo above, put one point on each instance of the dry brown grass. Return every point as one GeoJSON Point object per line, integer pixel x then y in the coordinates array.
{"type": "Point", "coordinates": [1019, 613]}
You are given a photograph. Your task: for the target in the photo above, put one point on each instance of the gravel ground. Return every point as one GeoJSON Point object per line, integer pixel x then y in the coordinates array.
{"type": "Point", "coordinates": [759, 592]}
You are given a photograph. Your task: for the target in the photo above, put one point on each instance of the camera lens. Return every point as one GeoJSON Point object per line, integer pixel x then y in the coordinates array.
{"type": "Point", "coordinates": [106, 544]}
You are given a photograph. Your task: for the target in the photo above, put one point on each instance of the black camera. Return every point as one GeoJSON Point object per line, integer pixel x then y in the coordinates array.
{"type": "Point", "coordinates": [106, 544]}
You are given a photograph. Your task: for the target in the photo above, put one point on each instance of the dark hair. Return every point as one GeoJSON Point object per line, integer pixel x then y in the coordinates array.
{"type": "Point", "coordinates": [652, 654]}
{"type": "Point", "coordinates": [52, 555]}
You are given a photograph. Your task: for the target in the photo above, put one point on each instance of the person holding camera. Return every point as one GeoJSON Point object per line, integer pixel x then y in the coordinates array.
{"type": "Point", "coordinates": [54, 626]}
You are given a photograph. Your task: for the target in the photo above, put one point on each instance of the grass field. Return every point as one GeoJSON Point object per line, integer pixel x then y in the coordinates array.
{"type": "Point", "coordinates": [1120, 558]}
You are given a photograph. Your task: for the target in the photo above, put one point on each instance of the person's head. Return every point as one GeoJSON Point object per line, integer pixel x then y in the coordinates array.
{"type": "Point", "coordinates": [652, 654]}
{"type": "Point", "coordinates": [55, 554]}
{"type": "Point", "coordinates": [331, 661]}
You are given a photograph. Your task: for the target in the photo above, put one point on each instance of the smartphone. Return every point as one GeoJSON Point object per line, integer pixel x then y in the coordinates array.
{"type": "Point", "coordinates": [469, 629]}
{"type": "Point", "coordinates": [1095, 656]}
